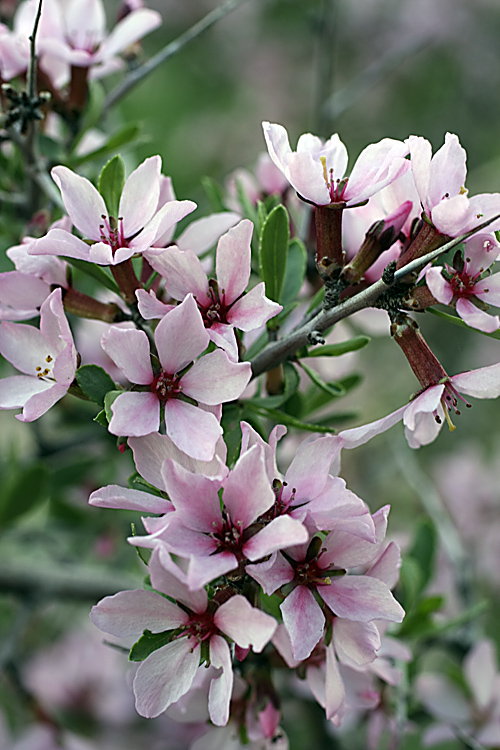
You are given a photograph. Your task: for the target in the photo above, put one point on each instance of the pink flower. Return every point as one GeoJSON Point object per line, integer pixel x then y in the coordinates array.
{"type": "Point", "coordinates": [197, 631]}
{"type": "Point", "coordinates": [176, 386]}
{"type": "Point", "coordinates": [317, 170]}
{"type": "Point", "coordinates": [72, 33]}
{"type": "Point", "coordinates": [440, 182]}
{"type": "Point", "coordinates": [468, 283]}
{"type": "Point", "coordinates": [139, 224]}
{"type": "Point", "coordinates": [424, 416]}
{"type": "Point", "coordinates": [221, 539]}
{"type": "Point", "coordinates": [223, 303]}
{"type": "Point", "coordinates": [47, 356]}
{"type": "Point", "coordinates": [320, 569]}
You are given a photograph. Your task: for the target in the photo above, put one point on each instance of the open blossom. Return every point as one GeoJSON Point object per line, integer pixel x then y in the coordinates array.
{"type": "Point", "coordinates": [198, 632]}
{"type": "Point", "coordinates": [71, 34]}
{"type": "Point", "coordinates": [317, 170]}
{"type": "Point", "coordinates": [424, 416]}
{"type": "Point", "coordinates": [212, 380]}
{"type": "Point", "coordinates": [218, 536]}
{"type": "Point", "coordinates": [469, 284]}
{"type": "Point", "coordinates": [320, 569]}
{"type": "Point", "coordinates": [47, 356]}
{"type": "Point", "coordinates": [440, 182]}
{"type": "Point", "coordinates": [223, 303]}
{"type": "Point", "coordinates": [139, 224]}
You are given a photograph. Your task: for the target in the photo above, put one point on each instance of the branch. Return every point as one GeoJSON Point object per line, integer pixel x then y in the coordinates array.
{"type": "Point", "coordinates": [63, 582]}
{"type": "Point", "coordinates": [135, 76]}
{"type": "Point", "coordinates": [31, 82]}
{"type": "Point", "coordinates": [276, 352]}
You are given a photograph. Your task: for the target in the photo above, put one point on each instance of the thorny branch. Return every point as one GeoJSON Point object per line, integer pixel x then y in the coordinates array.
{"type": "Point", "coordinates": [277, 352]}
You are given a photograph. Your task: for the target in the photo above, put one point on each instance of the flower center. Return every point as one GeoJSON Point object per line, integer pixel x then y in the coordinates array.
{"type": "Point", "coordinates": [449, 402]}
{"type": "Point", "coordinates": [45, 371]}
{"type": "Point", "coordinates": [166, 386]}
{"type": "Point", "coordinates": [229, 534]}
{"type": "Point", "coordinates": [214, 309]}
{"type": "Point", "coordinates": [336, 187]}
{"type": "Point", "coordinates": [111, 232]}
{"type": "Point", "coordinates": [201, 626]}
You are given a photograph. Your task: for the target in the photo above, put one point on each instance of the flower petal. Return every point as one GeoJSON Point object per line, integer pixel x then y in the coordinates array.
{"type": "Point", "coordinates": [246, 625]}
{"type": "Point", "coordinates": [83, 203]}
{"type": "Point", "coordinates": [361, 598]}
{"type": "Point", "coordinates": [304, 621]}
{"type": "Point", "coordinates": [131, 612]}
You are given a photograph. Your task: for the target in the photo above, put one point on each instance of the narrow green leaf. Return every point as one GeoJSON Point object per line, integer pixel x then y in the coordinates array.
{"type": "Point", "coordinates": [282, 418]}
{"type": "Point", "coordinates": [261, 216]}
{"type": "Point", "coordinates": [295, 272]}
{"type": "Point", "coordinates": [147, 643]}
{"type": "Point", "coordinates": [459, 322]}
{"type": "Point", "coordinates": [122, 137]}
{"type": "Point", "coordinates": [273, 251]}
{"type": "Point", "coordinates": [214, 193]}
{"type": "Point", "coordinates": [315, 399]}
{"type": "Point", "coordinates": [423, 550]}
{"type": "Point", "coordinates": [111, 182]}
{"type": "Point", "coordinates": [290, 385]}
{"type": "Point", "coordinates": [334, 389]}
{"type": "Point", "coordinates": [337, 350]}
{"type": "Point", "coordinates": [94, 382]}
{"type": "Point", "coordinates": [96, 272]}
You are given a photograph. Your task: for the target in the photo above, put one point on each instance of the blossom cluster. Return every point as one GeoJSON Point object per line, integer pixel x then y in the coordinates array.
{"type": "Point", "coordinates": [248, 570]}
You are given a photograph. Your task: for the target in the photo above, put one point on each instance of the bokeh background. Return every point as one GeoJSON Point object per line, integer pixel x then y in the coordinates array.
{"type": "Point", "coordinates": [366, 69]}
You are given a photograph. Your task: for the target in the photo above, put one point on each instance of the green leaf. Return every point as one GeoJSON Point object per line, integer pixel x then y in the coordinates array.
{"type": "Point", "coordinates": [111, 182]}
{"type": "Point", "coordinates": [333, 389]}
{"type": "Point", "coordinates": [273, 251]}
{"type": "Point", "coordinates": [291, 383]}
{"type": "Point", "coordinates": [423, 550]}
{"type": "Point", "coordinates": [337, 350]}
{"type": "Point", "coordinates": [96, 272]}
{"type": "Point", "coordinates": [230, 423]}
{"type": "Point", "coordinates": [410, 582]}
{"type": "Point", "coordinates": [121, 138]}
{"type": "Point", "coordinates": [283, 418]}
{"type": "Point", "coordinates": [24, 490]}
{"type": "Point", "coordinates": [261, 215]}
{"type": "Point", "coordinates": [214, 193]}
{"type": "Point", "coordinates": [100, 418]}
{"type": "Point", "coordinates": [459, 322]}
{"type": "Point", "coordinates": [295, 272]}
{"type": "Point", "coordinates": [108, 400]}
{"type": "Point", "coordinates": [94, 382]}
{"type": "Point", "coordinates": [149, 642]}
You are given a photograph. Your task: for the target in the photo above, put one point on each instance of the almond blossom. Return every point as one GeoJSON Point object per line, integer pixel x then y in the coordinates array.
{"type": "Point", "coordinates": [114, 239]}
{"type": "Point", "coordinates": [198, 634]}
{"type": "Point", "coordinates": [424, 416]}
{"type": "Point", "coordinates": [178, 385]}
{"type": "Point", "coordinates": [223, 303]}
{"type": "Point", "coordinates": [317, 170]}
{"type": "Point", "coordinates": [218, 537]}
{"type": "Point", "coordinates": [320, 568]}
{"type": "Point", "coordinates": [468, 286]}
{"type": "Point", "coordinates": [440, 182]}
{"type": "Point", "coordinates": [47, 356]}
{"type": "Point", "coordinates": [70, 33]}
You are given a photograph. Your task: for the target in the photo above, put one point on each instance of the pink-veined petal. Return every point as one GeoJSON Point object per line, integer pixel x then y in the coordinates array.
{"type": "Point", "coordinates": [183, 273]}
{"type": "Point", "coordinates": [135, 414]}
{"type": "Point", "coordinates": [233, 260]}
{"type": "Point", "coordinates": [201, 234]}
{"type": "Point", "coordinates": [132, 28]}
{"type": "Point", "coordinates": [246, 625]}
{"type": "Point", "coordinates": [334, 686]}
{"type": "Point", "coordinates": [193, 430]}
{"type": "Point", "coordinates": [361, 598]}
{"type": "Point", "coordinates": [214, 379]}
{"type": "Point", "coordinates": [439, 287]}
{"type": "Point", "coordinates": [114, 496]}
{"type": "Point", "coordinates": [42, 402]}
{"type": "Point", "coordinates": [280, 533]}
{"type": "Point", "coordinates": [253, 309]}
{"type": "Point", "coordinates": [304, 621]}
{"type": "Point", "coordinates": [447, 170]}
{"type": "Point", "coordinates": [131, 612]}
{"type": "Point", "coordinates": [139, 198]}
{"type": "Point", "coordinates": [360, 435]}
{"type": "Point", "coordinates": [203, 570]}
{"type": "Point", "coordinates": [195, 497]}
{"type": "Point", "coordinates": [356, 643]}
{"type": "Point", "coordinates": [168, 578]}
{"type": "Point", "coordinates": [130, 351]}
{"type": "Point", "coordinates": [247, 491]}
{"type": "Point", "coordinates": [476, 318]}
{"type": "Point", "coordinates": [165, 676]}
{"type": "Point", "coordinates": [83, 203]}
{"type": "Point", "coordinates": [482, 383]}
{"type": "Point", "coordinates": [272, 573]}
{"type": "Point", "coordinates": [18, 389]}
{"type": "Point", "coordinates": [221, 687]}
{"type": "Point", "coordinates": [180, 337]}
